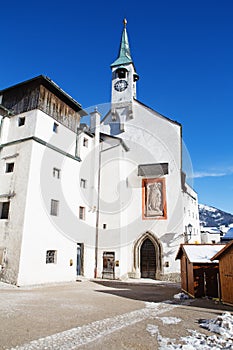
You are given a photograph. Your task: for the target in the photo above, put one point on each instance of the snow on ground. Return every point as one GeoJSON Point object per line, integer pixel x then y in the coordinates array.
{"type": "Point", "coordinates": [222, 325]}
{"type": "Point", "coordinates": [170, 320]}
{"type": "Point", "coordinates": [181, 296]}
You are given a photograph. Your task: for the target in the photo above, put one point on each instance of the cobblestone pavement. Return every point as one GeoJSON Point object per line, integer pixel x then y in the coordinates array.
{"type": "Point", "coordinates": [95, 315]}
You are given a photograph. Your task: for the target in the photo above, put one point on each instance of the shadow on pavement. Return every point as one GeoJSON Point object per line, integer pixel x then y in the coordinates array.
{"type": "Point", "coordinates": [145, 292]}
{"type": "Point", "coordinates": [157, 292]}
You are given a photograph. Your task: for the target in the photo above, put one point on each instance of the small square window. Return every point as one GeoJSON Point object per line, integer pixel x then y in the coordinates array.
{"type": "Point", "coordinates": [10, 167]}
{"type": "Point", "coordinates": [104, 226]}
{"type": "Point", "coordinates": [56, 173]}
{"type": "Point", "coordinates": [81, 213]}
{"type": "Point", "coordinates": [85, 142]}
{"type": "Point", "coordinates": [55, 127]}
{"type": "Point", "coordinates": [51, 257]}
{"type": "Point", "coordinates": [54, 207]}
{"type": "Point", "coordinates": [4, 210]}
{"type": "Point", "coordinates": [21, 121]}
{"type": "Point", "coordinates": [83, 183]}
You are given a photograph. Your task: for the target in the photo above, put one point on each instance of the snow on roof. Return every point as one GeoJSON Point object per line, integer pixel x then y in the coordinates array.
{"type": "Point", "coordinates": [201, 253]}
{"type": "Point", "coordinates": [228, 236]}
{"type": "Point", "coordinates": [210, 229]}
{"type": "Point", "coordinates": [223, 251]}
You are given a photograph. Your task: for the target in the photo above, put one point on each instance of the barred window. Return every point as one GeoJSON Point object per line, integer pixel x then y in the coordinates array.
{"type": "Point", "coordinates": [51, 257]}
{"type": "Point", "coordinates": [56, 173]}
{"type": "Point", "coordinates": [85, 142]}
{"type": "Point", "coordinates": [4, 210]}
{"type": "Point", "coordinates": [83, 183]}
{"type": "Point", "coordinates": [55, 127]}
{"type": "Point", "coordinates": [10, 167]}
{"type": "Point", "coordinates": [21, 121]}
{"type": "Point", "coordinates": [82, 213]}
{"type": "Point", "coordinates": [54, 207]}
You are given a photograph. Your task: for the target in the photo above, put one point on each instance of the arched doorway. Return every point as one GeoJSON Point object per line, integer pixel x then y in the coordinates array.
{"type": "Point", "coordinates": [148, 254]}
{"type": "Point", "coordinates": [148, 259]}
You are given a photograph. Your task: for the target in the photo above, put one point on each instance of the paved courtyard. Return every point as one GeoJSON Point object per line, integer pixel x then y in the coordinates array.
{"type": "Point", "coordinates": [98, 314]}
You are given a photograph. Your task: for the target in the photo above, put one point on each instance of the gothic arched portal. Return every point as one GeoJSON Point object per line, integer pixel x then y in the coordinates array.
{"type": "Point", "coordinates": [148, 256]}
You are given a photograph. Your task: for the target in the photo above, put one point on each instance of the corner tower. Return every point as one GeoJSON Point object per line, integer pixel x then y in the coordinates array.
{"type": "Point", "coordinates": [124, 76]}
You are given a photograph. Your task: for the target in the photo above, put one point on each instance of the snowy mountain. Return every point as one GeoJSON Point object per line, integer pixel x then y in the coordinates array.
{"type": "Point", "coordinates": [213, 217]}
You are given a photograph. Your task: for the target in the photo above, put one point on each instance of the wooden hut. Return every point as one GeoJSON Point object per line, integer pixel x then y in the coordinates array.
{"type": "Point", "coordinates": [199, 274]}
{"type": "Point", "coordinates": [225, 257]}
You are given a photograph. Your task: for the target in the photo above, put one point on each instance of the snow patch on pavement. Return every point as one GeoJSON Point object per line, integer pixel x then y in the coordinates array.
{"type": "Point", "coordinates": [181, 296]}
{"type": "Point", "coordinates": [222, 325]}
{"type": "Point", "coordinates": [170, 320]}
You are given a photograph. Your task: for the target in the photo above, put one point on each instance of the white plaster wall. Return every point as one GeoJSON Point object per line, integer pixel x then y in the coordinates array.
{"type": "Point", "coordinates": [44, 232]}
{"type": "Point", "coordinates": [191, 214]}
{"type": "Point", "coordinates": [35, 186]}
{"type": "Point", "coordinates": [151, 139]}
{"type": "Point", "coordinates": [207, 237]}
{"type": "Point", "coordinates": [17, 183]}
{"type": "Point", "coordinates": [63, 139]}
{"type": "Point", "coordinates": [16, 132]}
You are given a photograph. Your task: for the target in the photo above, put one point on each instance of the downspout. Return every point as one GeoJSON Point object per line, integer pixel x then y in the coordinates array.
{"type": "Point", "coordinates": [77, 148]}
{"type": "Point", "coordinates": [97, 210]}
{"type": "Point", "coordinates": [7, 114]}
{"type": "Point", "coordinates": [1, 124]}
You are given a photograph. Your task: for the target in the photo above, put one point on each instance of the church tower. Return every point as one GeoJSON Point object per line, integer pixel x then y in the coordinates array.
{"type": "Point", "coordinates": [124, 76]}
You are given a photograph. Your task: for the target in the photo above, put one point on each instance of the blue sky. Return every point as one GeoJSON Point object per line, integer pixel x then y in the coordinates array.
{"type": "Point", "coordinates": [183, 52]}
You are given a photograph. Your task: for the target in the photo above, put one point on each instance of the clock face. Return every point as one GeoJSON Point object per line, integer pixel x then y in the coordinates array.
{"type": "Point", "coordinates": [120, 85]}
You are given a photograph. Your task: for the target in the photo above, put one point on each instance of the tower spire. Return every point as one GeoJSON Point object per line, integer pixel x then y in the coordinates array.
{"type": "Point", "coordinates": [124, 76]}
{"type": "Point", "coordinates": [124, 56]}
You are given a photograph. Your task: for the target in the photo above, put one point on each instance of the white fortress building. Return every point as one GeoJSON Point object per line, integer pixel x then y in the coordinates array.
{"type": "Point", "coordinates": [108, 200]}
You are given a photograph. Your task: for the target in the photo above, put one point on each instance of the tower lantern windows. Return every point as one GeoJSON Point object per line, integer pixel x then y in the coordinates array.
{"type": "Point", "coordinates": [121, 73]}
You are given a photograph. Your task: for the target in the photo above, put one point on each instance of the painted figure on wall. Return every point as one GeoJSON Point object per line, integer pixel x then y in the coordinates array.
{"type": "Point", "coordinates": [154, 203]}
{"type": "Point", "coordinates": [154, 199]}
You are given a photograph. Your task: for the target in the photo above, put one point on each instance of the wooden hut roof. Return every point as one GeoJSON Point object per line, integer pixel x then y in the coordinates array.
{"type": "Point", "coordinates": [222, 251]}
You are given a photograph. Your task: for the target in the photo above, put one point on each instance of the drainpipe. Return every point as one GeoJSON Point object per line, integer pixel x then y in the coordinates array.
{"type": "Point", "coordinates": [77, 148]}
{"type": "Point", "coordinates": [98, 207]}
{"type": "Point", "coordinates": [6, 114]}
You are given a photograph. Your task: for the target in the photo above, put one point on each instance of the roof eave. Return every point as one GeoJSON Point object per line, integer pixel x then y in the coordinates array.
{"type": "Point", "coordinates": [52, 86]}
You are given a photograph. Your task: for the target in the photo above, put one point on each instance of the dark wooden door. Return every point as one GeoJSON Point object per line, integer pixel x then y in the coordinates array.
{"type": "Point", "coordinates": [79, 265]}
{"type": "Point", "coordinates": [148, 259]}
{"type": "Point", "coordinates": [199, 282]}
{"type": "Point", "coordinates": [211, 275]}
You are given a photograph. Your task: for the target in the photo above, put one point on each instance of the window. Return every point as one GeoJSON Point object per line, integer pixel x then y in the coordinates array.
{"type": "Point", "coordinates": [21, 121]}
{"type": "Point", "coordinates": [55, 127]}
{"type": "Point", "coordinates": [104, 226]}
{"type": "Point", "coordinates": [85, 142]}
{"type": "Point", "coordinates": [81, 213]}
{"type": "Point", "coordinates": [83, 183]}
{"type": "Point", "coordinates": [9, 167]}
{"type": "Point", "coordinates": [56, 173]}
{"type": "Point", "coordinates": [51, 257]}
{"type": "Point", "coordinates": [4, 210]}
{"type": "Point", "coordinates": [54, 207]}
